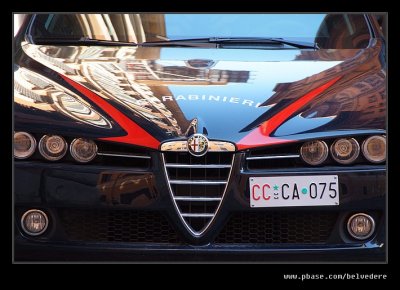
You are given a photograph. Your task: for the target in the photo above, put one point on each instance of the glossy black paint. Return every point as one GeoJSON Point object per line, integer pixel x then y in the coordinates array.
{"type": "Point", "coordinates": [355, 105]}
{"type": "Point", "coordinates": [62, 187]}
{"type": "Point", "coordinates": [248, 85]}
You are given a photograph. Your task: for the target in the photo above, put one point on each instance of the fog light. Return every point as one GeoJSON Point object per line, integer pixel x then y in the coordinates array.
{"type": "Point", "coordinates": [314, 152]}
{"type": "Point", "coordinates": [361, 226]}
{"type": "Point", "coordinates": [53, 147]}
{"type": "Point", "coordinates": [83, 150]}
{"type": "Point", "coordinates": [34, 222]}
{"type": "Point", "coordinates": [24, 145]}
{"type": "Point", "coordinates": [374, 149]}
{"type": "Point", "coordinates": [345, 151]}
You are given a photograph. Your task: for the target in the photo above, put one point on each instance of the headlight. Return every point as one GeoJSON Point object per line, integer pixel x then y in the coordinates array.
{"type": "Point", "coordinates": [83, 150]}
{"type": "Point", "coordinates": [53, 147]}
{"type": "Point", "coordinates": [345, 151]}
{"type": "Point", "coordinates": [24, 145]}
{"type": "Point", "coordinates": [314, 152]}
{"type": "Point", "coordinates": [374, 149]}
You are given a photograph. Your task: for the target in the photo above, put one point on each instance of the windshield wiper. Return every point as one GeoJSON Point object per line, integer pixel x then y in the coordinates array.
{"type": "Point", "coordinates": [257, 40]}
{"type": "Point", "coordinates": [224, 42]}
{"type": "Point", "coordinates": [81, 41]}
{"type": "Point", "coordinates": [189, 42]}
{"type": "Point", "coordinates": [213, 42]}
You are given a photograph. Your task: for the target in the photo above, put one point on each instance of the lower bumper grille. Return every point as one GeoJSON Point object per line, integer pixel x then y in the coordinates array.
{"type": "Point", "coordinates": [117, 226]}
{"type": "Point", "coordinates": [242, 228]}
{"type": "Point", "coordinates": [278, 228]}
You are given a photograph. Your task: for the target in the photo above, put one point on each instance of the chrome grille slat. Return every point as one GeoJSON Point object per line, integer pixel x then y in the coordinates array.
{"type": "Point", "coordinates": [274, 157]}
{"type": "Point", "coordinates": [197, 182]}
{"type": "Point", "coordinates": [123, 155]}
{"type": "Point", "coordinates": [189, 198]}
{"type": "Point", "coordinates": [281, 156]}
{"type": "Point", "coordinates": [216, 166]}
{"type": "Point", "coordinates": [198, 215]}
{"type": "Point", "coordinates": [197, 185]}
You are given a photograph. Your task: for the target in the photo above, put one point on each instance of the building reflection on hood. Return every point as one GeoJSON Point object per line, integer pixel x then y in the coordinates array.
{"type": "Point", "coordinates": [126, 188]}
{"type": "Point", "coordinates": [137, 78]}
{"type": "Point", "coordinates": [114, 73]}
{"type": "Point", "coordinates": [38, 92]}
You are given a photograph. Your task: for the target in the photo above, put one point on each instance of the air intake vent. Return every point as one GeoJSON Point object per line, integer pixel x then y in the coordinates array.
{"type": "Point", "coordinates": [197, 185]}
{"type": "Point", "coordinates": [278, 228]}
{"type": "Point", "coordinates": [106, 225]}
{"type": "Point", "coordinates": [115, 154]}
{"type": "Point", "coordinates": [286, 156]}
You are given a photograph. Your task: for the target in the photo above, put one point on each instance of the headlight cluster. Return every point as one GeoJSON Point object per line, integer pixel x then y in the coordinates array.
{"type": "Point", "coordinates": [344, 150]}
{"type": "Point", "coordinates": [53, 147]}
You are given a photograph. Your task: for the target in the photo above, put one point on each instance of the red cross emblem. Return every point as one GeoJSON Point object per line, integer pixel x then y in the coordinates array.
{"type": "Point", "coordinates": [194, 144]}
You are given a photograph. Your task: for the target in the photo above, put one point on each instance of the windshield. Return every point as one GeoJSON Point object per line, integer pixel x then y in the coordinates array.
{"type": "Point", "coordinates": [327, 30]}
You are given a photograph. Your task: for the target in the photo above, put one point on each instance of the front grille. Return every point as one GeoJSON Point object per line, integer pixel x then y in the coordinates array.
{"type": "Point", "coordinates": [283, 156]}
{"type": "Point", "coordinates": [278, 228]}
{"type": "Point", "coordinates": [117, 226]}
{"type": "Point", "coordinates": [198, 184]}
{"type": "Point", "coordinates": [116, 154]}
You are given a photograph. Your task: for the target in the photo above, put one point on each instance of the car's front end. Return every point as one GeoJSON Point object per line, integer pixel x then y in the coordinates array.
{"type": "Point", "coordinates": [226, 149]}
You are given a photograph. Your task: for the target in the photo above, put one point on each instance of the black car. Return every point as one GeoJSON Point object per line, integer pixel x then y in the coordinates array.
{"type": "Point", "coordinates": [200, 137]}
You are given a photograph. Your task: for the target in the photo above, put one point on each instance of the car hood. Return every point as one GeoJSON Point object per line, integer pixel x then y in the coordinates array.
{"type": "Point", "coordinates": [223, 93]}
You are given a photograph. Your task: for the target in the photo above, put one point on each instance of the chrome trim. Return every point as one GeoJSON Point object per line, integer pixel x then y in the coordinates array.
{"type": "Point", "coordinates": [221, 146]}
{"type": "Point", "coordinates": [190, 198]}
{"type": "Point", "coordinates": [23, 225]}
{"type": "Point", "coordinates": [176, 165]}
{"type": "Point", "coordinates": [202, 182]}
{"type": "Point", "coordinates": [175, 146]}
{"type": "Point", "coordinates": [192, 232]}
{"type": "Point", "coordinates": [213, 146]}
{"type": "Point", "coordinates": [124, 155]}
{"type": "Point", "coordinates": [372, 226]}
{"type": "Point", "coordinates": [202, 215]}
{"type": "Point", "coordinates": [273, 157]}
{"type": "Point", "coordinates": [317, 170]}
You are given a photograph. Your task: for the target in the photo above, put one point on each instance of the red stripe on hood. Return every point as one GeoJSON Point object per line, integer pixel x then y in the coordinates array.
{"type": "Point", "coordinates": [260, 136]}
{"type": "Point", "coordinates": [135, 134]}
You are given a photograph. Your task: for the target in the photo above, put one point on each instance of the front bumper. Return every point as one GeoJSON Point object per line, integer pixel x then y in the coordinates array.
{"type": "Point", "coordinates": [27, 250]}
{"type": "Point", "coordinates": [53, 188]}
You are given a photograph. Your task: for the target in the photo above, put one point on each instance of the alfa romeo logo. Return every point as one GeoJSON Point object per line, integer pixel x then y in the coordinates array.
{"type": "Point", "coordinates": [197, 145]}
